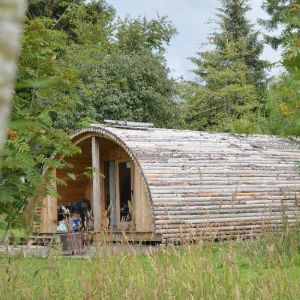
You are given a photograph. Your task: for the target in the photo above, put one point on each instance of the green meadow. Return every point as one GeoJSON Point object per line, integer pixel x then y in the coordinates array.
{"type": "Point", "coordinates": [265, 268]}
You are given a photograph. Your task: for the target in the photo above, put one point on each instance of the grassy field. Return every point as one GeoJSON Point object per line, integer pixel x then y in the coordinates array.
{"type": "Point", "coordinates": [267, 268]}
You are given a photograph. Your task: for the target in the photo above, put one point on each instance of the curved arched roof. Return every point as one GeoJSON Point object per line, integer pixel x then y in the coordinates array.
{"type": "Point", "coordinates": [203, 183]}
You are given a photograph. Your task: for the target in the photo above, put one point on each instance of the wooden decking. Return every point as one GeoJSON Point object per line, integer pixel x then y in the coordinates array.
{"type": "Point", "coordinates": [112, 236]}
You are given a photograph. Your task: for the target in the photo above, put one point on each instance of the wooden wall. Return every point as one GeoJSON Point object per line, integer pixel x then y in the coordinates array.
{"type": "Point", "coordinates": [142, 207]}
{"type": "Point", "coordinates": [79, 189]}
{"type": "Point", "coordinates": [47, 213]}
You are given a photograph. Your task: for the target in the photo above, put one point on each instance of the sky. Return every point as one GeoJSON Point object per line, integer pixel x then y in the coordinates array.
{"type": "Point", "coordinates": [190, 17]}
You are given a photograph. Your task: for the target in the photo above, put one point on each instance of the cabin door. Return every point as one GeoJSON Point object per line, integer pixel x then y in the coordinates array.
{"type": "Point", "coordinates": [118, 193]}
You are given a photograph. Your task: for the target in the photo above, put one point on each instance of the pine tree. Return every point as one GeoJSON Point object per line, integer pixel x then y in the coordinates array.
{"type": "Point", "coordinates": [283, 102]}
{"type": "Point", "coordinates": [284, 14]}
{"type": "Point", "coordinates": [236, 27]}
{"type": "Point", "coordinates": [232, 75]}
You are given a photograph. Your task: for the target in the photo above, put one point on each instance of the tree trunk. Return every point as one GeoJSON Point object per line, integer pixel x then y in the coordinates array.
{"type": "Point", "coordinates": [11, 14]}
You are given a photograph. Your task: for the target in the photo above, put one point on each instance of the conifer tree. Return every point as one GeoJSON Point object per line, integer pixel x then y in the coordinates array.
{"type": "Point", "coordinates": [235, 27]}
{"type": "Point", "coordinates": [231, 76]}
{"type": "Point", "coordinates": [283, 104]}
{"type": "Point", "coordinates": [283, 14]}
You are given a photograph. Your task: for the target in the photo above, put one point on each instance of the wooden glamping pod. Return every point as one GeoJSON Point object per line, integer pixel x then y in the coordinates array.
{"type": "Point", "coordinates": [181, 185]}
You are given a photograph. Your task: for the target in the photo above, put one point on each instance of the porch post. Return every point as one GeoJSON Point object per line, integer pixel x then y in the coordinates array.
{"type": "Point", "coordinates": [112, 194]}
{"type": "Point", "coordinates": [96, 183]}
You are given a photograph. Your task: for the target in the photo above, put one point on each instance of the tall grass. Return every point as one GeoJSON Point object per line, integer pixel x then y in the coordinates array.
{"type": "Point", "coordinates": [266, 268]}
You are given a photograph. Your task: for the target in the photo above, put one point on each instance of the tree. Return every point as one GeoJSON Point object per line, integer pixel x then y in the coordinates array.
{"type": "Point", "coordinates": [235, 27]}
{"type": "Point", "coordinates": [29, 153]}
{"type": "Point", "coordinates": [119, 64]}
{"type": "Point", "coordinates": [283, 105]}
{"type": "Point", "coordinates": [227, 95]}
{"type": "Point", "coordinates": [136, 35]}
{"type": "Point", "coordinates": [11, 13]}
{"type": "Point", "coordinates": [284, 14]}
{"type": "Point", "coordinates": [231, 76]}
{"type": "Point", "coordinates": [81, 20]}
{"type": "Point", "coordinates": [122, 76]}
{"type": "Point", "coordinates": [129, 80]}
{"type": "Point", "coordinates": [34, 145]}
{"type": "Point", "coordinates": [124, 86]}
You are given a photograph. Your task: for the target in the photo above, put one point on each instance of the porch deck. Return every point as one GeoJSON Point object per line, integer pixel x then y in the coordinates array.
{"type": "Point", "coordinates": [109, 236]}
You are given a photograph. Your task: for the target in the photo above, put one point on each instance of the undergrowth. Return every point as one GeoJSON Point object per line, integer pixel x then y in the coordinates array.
{"type": "Point", "coordinates": [265, 268]}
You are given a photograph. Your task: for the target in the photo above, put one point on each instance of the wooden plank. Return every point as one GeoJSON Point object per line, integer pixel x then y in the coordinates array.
{"type": "Point", "coordinates": [115, 153]}
{"type": "Point", "coordinates": [49, 211]}
{"type": "Point", "coordinates": [112, 194]}
{"type": "Point", "coordinates": [96, 183]}
{"type": "Point", "coordinates": [138, 207]}
{"type": "Point", "coordinates": [117, 189]}
{"type": "Point", "coordinates": [88, 193]}
{"type": "Point", "coordinates": [104, 214]}
{"type": "Point", "coordinates": [144, 220]}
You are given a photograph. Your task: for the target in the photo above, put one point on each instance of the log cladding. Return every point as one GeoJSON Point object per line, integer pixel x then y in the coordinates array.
{"type": "Point", "coordinates": [218, 185]}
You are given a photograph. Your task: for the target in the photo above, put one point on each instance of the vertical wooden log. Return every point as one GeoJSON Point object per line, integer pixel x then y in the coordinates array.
{"type": "Point", "coordinates": [112, 194]}
{"type": "Point", "coordinates": [96, 183]}
{"type": "Point", "coordinates": [52, 207]}
{"type": "Point", "coordinates": [143, 216]}
{"type": "Point", "coordinates": [48, 222]}
{"type": "Point", "coordinates": [137, 193]}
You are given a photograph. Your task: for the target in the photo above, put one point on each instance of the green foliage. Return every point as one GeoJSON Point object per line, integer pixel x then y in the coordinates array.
{"type": "Point", "coordinates": [28, 153]}
{"type": "Point", "coordinates": [109, 69]}
{"type": "Point", "coordinates": [283, 105]}
{"type": "Point", "coordinates": [42, 85]}
{"type": "Point", "coordinates": [131, 86]}
{"type": "Point", "coordinates": [34, 146]}
{"type": "Point", "coordinates": [140, 34]}
{"type": "Point", "coordinates": [118, 66]}
{"type": "Point", "coordinates": [231, 76]}
{"type": "Point", "coordinates": [235, 27]}
{"type": "Point", "coordinates": [83, 21]}
{"type": "Point", "coordinates": [284, 15]}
